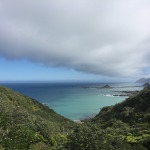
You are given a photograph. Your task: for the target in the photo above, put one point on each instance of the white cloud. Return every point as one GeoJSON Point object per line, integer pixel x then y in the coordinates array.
{"type": "Point", "coordinates": [102, 36]}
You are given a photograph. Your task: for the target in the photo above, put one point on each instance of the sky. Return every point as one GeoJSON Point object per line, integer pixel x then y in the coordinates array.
{"type": "Point", "coordinates": [63, 40]}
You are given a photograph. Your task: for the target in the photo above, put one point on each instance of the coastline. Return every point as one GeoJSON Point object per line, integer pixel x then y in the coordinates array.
{"type": "Point", "coordinates": [73, 103]}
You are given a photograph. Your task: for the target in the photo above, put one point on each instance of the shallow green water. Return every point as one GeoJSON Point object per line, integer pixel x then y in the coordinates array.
{"type": "Point", "coordinates": [72, 100]}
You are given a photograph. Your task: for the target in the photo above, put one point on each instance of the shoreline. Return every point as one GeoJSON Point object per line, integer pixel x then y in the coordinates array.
{"type": "Point", "coordinates": [99, 87]}
{"type": "Point", "coordinates": [126, 93]}
{"type": "Point", "coordinates": [78, 121]}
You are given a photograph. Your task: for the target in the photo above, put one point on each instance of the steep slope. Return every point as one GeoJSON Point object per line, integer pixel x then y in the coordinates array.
{"type": "Point", "coordinates": [27, 124]}
{"type": "Point", "coordinates": [125, 126]}
{"type": "Point", "coordinates": [133, 109]}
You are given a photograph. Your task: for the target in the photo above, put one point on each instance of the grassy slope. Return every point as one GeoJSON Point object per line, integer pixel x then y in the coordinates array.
{"type": "Point", "coordinates": [25, 122]}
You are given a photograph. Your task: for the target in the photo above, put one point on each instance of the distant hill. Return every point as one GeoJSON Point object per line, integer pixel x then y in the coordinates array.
{"type": "Point", "coordinates": [106, 86]}
{"type": "Point", "coordinates": [143, 80]}
{"type": "Point", "coordinates": [146, 85]}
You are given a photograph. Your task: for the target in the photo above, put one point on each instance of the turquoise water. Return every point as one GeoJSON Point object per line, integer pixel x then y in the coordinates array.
{"type": "Point", "coordinates": [72, 100]}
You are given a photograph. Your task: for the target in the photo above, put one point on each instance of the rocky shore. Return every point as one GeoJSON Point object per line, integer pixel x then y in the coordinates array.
{"type": "Point", "coordinates": [126, 93]}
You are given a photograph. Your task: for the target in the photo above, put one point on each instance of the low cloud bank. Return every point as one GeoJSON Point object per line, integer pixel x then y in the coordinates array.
{"type": "Point", "coordinates": [104, 37]}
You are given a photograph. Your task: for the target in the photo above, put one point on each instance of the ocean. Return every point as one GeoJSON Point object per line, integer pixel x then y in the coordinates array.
{"type": "Point", "coordinates": [74, 100]}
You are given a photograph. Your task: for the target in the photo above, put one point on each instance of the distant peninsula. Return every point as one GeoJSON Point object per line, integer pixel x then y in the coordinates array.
{"type": "Point", "coordinates": [106, 86]}
{"type": "Point", "coordinates": [97, 87]}
{"type": "Point", "coordinates": [143, 80]}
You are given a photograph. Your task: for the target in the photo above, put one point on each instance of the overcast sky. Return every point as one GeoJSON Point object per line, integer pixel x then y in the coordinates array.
{"type": "Point", "coordinates": [102, 38]}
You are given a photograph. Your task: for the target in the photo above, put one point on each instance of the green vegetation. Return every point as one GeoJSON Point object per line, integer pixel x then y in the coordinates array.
{"type": "Point", "coordinates": [25, 124]}
{"type": "Point", "coordinates": [125, 126]}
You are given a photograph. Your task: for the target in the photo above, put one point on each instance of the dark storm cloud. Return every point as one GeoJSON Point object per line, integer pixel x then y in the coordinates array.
{"type": "Point", "coordinates": [102, 36]}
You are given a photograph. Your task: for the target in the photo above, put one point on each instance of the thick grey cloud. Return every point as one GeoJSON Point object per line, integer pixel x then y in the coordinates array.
{"type": "Point", "coordinates": [101, 36]}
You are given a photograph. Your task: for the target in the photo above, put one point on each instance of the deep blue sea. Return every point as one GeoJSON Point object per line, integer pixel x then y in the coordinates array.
{"type": "Point", "coordinates": [74, 100]}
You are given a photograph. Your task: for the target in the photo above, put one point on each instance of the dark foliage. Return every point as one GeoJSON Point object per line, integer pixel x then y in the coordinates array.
{"type": "Point", "coordinates": [25, 124]}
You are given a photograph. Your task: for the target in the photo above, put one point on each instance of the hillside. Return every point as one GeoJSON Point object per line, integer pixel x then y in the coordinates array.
{"type": "Point", "coordinates": [143, 80]}
{"type": "Point", "coordinates": [27, 124]}
{"type": "Point", "coordinates": [128, 110]}
{"type": "Point", "coordinates": [125, 126]}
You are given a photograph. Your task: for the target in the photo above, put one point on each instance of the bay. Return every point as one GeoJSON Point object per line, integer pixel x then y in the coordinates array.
{"type": "Point", "coordinates": [74, 100]}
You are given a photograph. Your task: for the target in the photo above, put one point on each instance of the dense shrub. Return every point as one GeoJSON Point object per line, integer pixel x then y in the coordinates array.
{"type": "Point", "coordinates": [25, 124]}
